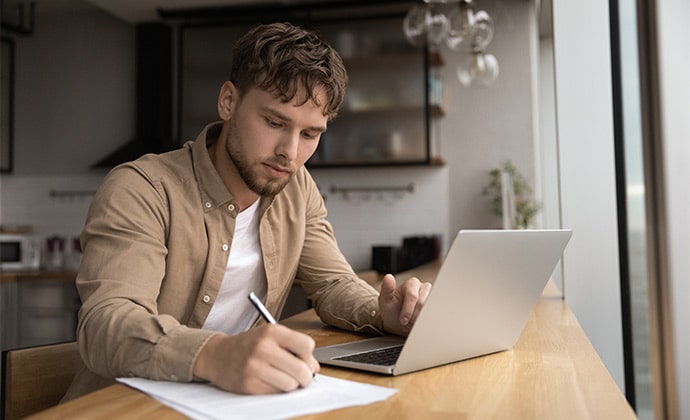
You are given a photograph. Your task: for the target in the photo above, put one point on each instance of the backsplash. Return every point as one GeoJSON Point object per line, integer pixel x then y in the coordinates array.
{"type": "Point", "coordinates": [382, 206]}
{"type": "Point", "coordinates": [51, 205]}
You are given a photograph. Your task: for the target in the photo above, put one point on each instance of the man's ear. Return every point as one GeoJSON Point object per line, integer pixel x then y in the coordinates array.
{"type": "Point", "coordinates": [226, 100]}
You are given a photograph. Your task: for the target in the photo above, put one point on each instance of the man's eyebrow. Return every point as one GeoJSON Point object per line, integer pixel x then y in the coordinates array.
{"type": "Point", "coordinates": [281, 116]}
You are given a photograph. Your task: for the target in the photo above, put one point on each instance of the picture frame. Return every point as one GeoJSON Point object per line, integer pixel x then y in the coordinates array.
{"type": "Point", "coordinates": [7, 105]}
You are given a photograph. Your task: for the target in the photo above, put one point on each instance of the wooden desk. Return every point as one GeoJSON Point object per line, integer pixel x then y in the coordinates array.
{"type": "Point", "coordinates": [552, 373]}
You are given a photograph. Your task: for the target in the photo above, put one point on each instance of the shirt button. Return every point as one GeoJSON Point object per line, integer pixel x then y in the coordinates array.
{"type": "Point", "coordinates": [208, 204]}
{"type": "Point", "coordinates": [372, 313]}
{"type": "Point", "coordinates": [206, 299]}
{"type": "Point", "coordinates": [225, 247]}
{"type": "Point", "coordinates": [231, 207]}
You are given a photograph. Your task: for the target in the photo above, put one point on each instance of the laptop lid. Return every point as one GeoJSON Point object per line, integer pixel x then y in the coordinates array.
{"type": "Point", "coordinates": [479, 304]}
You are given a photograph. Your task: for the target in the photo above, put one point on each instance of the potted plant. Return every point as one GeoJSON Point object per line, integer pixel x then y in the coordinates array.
{"type": "Point", "coordinates": [525, 207]}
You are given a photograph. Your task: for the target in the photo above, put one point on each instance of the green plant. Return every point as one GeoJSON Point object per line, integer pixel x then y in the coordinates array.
{"type": "Point", "coordinates": [525, 206]}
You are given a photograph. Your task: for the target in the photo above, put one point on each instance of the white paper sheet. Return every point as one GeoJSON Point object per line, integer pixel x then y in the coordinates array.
{"type": "Point", "coordinates": [204, 401]}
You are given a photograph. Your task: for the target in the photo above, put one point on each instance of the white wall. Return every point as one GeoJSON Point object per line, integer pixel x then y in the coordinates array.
{"type": "Point", "coordinates": [674, 67]}
{"type": "Point", "coordinates": [587, 174]}
{"type": "Point", "coordinates": [485, 127]}
{"type": "Point", "coordinates": [52, 205]}
{"type": "Point", "coordinates": [361, 220]}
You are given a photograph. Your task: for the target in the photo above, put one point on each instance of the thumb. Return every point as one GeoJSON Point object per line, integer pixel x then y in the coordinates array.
{"type": "Point", "coordinates": [388, 285]}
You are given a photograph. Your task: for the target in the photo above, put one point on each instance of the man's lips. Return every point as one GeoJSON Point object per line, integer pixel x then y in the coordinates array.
{"type": "Point", "coordinates": [277, 170]}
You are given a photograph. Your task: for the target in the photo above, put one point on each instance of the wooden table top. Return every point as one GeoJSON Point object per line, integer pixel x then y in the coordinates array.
{"type": "Point", "coordinates": [553, 372]}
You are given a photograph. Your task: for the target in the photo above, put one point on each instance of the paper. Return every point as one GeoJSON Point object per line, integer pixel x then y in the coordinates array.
{"type": "Point", "coordinates": [204, 401]}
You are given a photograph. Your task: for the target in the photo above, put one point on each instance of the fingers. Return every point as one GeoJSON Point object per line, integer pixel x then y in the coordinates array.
{"type": "Point", "coordinates": [268, 359]}
{"type": "Point", "coordinates": [388, 285]}
{"type": "Point", "coordinates": [410, 292]}
{"type": "Point", "coordinates": [424, 290]}
{"type": "Point", "coordinates": [289, 354]}
{"type": "Point", "coordinates": [414, 295]}
{"type": "Point", "coordinates": [283, 372]}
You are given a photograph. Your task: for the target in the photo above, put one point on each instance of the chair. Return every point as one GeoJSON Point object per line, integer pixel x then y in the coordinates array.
{"type": "Point", "coordinates": [36, 378]}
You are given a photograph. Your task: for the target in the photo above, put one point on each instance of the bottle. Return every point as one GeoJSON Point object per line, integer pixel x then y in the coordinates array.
{"type": "Point", "coordinates": [55, 257]}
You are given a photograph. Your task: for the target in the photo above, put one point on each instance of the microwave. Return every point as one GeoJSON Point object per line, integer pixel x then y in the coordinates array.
{"type": "Point", "coordinates": [19, 252]}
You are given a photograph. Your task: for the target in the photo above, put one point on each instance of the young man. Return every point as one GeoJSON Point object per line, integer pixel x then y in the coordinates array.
{"type": "Point", "coordinates": [174, 243]}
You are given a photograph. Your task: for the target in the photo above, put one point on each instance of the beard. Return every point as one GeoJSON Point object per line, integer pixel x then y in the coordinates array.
{"type": "Point", "coordinates": [249, 170]}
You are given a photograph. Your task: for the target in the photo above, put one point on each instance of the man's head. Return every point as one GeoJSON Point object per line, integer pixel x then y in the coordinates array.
{"type": "Point", "coordinates": [283, 59]}
{"type": "Point", "coordinates": [286, 84]}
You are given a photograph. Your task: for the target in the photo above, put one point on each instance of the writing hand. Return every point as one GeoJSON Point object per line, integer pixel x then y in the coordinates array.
{"type": "Point", "coordinates": [400, 306]}
{"type": "Point", "coordinates": [267, 359]}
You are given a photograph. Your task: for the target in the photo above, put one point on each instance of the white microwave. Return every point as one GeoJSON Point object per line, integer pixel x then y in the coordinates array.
{"type": "Point", "coordinates": [19, 252]}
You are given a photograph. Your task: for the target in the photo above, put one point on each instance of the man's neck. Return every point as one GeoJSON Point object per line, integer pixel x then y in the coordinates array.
{"type": "Point", "coordinates": [227, 171]}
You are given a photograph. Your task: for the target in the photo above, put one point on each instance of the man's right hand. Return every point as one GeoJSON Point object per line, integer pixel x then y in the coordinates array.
{"type": "Point", "coordinates": [268, 359]}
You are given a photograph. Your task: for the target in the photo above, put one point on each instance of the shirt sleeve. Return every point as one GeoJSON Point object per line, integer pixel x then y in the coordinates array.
{"type": "Point", "coordinates": [120, 330]}
{"type": "Point", "coordinates": [340, 298]}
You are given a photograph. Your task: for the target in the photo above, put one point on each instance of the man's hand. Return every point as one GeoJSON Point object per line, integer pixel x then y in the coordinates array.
{"type": "Point", "coordinates": [400, 306]}
{"type": "Point", "coordinates": [267, 359]}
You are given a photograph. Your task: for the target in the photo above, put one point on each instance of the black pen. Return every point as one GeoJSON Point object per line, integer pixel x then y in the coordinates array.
{"type": "Point", "coordinates": [266, 315]}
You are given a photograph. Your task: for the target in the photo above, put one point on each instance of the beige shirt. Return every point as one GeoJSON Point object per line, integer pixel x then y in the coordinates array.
{"type": "Point", "coordinates": [156, 243]}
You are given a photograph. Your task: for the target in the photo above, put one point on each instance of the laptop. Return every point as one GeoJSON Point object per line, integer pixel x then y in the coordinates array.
{"type": "Point", "coordinates": [488, 284]}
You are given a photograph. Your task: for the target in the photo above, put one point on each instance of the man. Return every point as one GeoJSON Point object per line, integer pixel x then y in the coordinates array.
{"type": "Point", "coordinates": [174, 243]}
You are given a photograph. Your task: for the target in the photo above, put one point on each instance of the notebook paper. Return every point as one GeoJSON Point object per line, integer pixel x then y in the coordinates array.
{"type": "Point", "coordinates": [204, 401]}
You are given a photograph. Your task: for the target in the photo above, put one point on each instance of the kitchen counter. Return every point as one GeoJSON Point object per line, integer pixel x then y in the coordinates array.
{"type": "Point", "coordinates": [28, 275]}
{"type": "Point", "coordinates": [37, 307]}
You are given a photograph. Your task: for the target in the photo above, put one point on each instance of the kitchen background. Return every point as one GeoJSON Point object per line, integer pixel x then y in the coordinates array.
{"type": "Point", "coordinates": [75, 97]}
{"type": "Point", "coordinates": [74, 103]}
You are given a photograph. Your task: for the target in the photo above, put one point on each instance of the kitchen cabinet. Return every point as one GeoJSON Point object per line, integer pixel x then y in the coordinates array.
{"type": "Point", "coordinates": [37, 308]}
{"type": "Point", "coordinates": [386, 113]}
{"type": "Point", "coordinates": [384, 118]}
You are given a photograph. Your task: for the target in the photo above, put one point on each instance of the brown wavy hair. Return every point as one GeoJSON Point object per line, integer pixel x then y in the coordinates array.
{"type": "Point", "coordinates": [282, 58]}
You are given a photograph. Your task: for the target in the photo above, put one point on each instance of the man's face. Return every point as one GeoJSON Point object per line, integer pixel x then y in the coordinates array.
{"type": "Point", "coordinates": [270, 140]}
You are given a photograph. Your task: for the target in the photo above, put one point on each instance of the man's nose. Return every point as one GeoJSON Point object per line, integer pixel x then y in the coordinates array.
{"type": "Point", "coordinates": [288, 146]}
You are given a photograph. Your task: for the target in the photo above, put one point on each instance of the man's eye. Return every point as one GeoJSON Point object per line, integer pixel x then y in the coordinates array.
{"type": "Point", "coordinates": [273, 124]}
{"type": "Point", "coordinates": [309, 135]}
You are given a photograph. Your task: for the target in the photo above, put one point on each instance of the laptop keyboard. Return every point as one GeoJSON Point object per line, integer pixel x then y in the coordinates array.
{"type": "Point", "coordinates": [382, 357]}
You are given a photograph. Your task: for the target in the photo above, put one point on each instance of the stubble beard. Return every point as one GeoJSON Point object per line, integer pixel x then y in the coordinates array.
{"type": "Point", "coordinates": [246, 170]}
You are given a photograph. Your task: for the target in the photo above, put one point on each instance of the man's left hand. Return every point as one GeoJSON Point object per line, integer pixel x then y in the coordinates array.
{"type": "Point", "coordinates": [400, 306]}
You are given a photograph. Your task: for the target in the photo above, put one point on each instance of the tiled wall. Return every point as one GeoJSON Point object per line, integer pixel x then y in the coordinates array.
{"type": "Point", "coordinates": [361, 220]}
{"type": "Point", "coordinates": [50, 204]}
{"type": "Point", "coordinates": [59, 204]}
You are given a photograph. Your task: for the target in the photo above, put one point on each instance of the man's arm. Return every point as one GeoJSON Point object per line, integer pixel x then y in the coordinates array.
{"type": "Point", "coordinates": [342, 299]}
{"type": "Point", "coordinates": [121, 331]}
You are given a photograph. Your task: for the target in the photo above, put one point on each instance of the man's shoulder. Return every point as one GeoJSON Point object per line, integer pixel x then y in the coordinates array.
{"type": "Point", "coordinates": [172, 166]}
{"type": "Point", "coordinates": [301, 181]}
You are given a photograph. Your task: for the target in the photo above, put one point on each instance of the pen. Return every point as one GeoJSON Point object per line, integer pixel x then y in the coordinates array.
{"type": "Point", "coordinates": [265, 314]}
{"type": "Point", "coordinates": [261, 308]}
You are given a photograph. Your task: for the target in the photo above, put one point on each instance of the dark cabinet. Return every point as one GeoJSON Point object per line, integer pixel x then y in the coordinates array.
{"type": "Point", "coordinates": [384, 119]}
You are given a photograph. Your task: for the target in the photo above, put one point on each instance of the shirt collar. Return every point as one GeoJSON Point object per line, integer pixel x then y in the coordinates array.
{"type": "Point", "coordinates": [213, 190]}
{"type": "Point", "coordinates": [211, 186]}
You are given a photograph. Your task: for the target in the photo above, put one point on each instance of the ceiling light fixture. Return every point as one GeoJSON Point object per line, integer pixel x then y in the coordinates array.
{"type": "Point", "coordinates": [456, 24]}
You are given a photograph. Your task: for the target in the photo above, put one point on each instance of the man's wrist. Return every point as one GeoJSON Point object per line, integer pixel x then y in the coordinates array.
{"type": "Point", "coordinates": [203, 369]}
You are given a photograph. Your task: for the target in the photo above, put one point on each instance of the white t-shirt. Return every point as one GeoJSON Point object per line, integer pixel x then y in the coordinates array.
{"type": "Point", "coordinates": [233, 313]}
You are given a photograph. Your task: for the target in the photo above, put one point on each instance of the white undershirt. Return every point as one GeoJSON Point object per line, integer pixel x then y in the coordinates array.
{"type": "Point", "coordinates": [233, 313]}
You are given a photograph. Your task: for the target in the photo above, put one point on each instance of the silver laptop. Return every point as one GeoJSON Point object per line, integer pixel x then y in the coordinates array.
{"type": "Point", "coordinates": [481, 299]}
